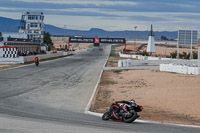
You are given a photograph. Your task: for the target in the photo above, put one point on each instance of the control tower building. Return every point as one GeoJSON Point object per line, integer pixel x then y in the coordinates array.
{"type": "Point", "coordinates": [32, 24]}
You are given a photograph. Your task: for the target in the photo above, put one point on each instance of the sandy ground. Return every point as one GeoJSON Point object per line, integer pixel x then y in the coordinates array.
{"type": "Point", "coordinates": [166, 97]}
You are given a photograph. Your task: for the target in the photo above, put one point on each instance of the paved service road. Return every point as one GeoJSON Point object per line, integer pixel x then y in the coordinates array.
{"type": "Point", "coordinates": [52, 98]}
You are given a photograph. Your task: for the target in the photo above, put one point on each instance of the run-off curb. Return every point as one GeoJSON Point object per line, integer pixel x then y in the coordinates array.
{"type": "Point", "coordinates": [150, 122]}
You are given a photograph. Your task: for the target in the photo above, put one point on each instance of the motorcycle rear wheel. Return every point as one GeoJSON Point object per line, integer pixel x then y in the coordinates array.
{"type": "Point", "coordinates": [131, 118]}
{"type": "Point", "coordinates": [106, 116]}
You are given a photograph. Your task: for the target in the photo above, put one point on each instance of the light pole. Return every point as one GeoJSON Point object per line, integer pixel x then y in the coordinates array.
{"type": "Point", "coordinates": [191, 55]}
{"type": "Point", "coordinates": [135, 39]}
{"type": "Point", "coordinates": [65, 35]}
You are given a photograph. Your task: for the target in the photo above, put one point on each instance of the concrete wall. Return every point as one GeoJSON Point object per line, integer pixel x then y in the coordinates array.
{"type": "Point", "coordinates": [18, 60]}
{"type": "Point", "coordinates": [45, 56]}
{"type": "Point", "coordinates": [25, 59]}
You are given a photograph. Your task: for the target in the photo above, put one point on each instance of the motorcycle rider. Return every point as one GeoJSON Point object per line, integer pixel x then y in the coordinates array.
{"type": "Point", "coordinates": [36, 59]}
{"type": "Point", "coordinates": [116, 107]}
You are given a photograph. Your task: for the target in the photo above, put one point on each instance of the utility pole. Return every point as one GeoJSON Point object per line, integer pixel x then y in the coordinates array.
{"type": "Point", "coordinates": [177, 56]}
{"type": "Point", "coordinates": [135, 39]}
{"type": "Point", "coordinates": [65, 35]}
{"type": "Point", "coordinates": [191, 55]}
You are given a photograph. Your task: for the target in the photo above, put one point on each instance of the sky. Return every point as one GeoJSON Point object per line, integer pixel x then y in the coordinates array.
{"type": "Point", "coordinates": [110, 15]}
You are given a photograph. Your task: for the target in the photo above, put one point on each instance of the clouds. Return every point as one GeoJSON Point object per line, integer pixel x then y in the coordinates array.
{"type": "Point", "coordinates": [117, 12]}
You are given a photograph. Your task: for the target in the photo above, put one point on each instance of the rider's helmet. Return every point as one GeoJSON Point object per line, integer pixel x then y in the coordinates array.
{"type": "Point", "coordinates": [132, 101]}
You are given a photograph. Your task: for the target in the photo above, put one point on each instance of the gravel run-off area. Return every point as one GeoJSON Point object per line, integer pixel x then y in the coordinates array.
{"type": "Point", "coordinates": [166, 97]}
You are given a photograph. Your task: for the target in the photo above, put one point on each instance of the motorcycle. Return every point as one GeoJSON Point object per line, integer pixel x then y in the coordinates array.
{"type": "Point", "coordinates": [37, 63]}
{"type": "Point", "coordinates": [127, 116]}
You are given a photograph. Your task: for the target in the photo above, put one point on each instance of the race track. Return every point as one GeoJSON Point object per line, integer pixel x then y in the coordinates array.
{"type": "Point", "coordinates": [52, 98]}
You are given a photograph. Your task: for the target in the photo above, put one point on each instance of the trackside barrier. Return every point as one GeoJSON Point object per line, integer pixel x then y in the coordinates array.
{"type": "Point", "coordinates": [120, 63]}
{"type": "Point", "coordinates": [140, 57]}
{"type": "Point", "coordinates": [156, 61]}
{"type": "Point", "coordinates": [24, 59]}
{"type": "Point", "coordinates": [124, 63]}
{"type": "Point", "coordinates": [180, 69]}
{"type": "Point", "coordinates": [17, 60]}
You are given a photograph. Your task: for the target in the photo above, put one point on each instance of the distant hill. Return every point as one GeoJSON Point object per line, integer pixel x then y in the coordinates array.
{"type": "Point", "coordinates": [11, 25]}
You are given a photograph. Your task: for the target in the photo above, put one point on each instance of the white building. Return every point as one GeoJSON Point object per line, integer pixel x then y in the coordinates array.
{"type": "Point", "coordinates": [32, 23]}
{"type": "Point", "coordinates": [7, 35]}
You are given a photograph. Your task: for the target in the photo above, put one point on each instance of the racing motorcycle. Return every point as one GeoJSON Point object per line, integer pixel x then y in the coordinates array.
{"type": "Point", "coordinates": [127, 116]}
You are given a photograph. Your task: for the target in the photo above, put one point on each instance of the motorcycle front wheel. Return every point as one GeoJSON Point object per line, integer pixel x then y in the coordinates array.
{"type": "Point", "coordinates": [106, 116]}
{"type": "Point", "coordinates": [131, 118]}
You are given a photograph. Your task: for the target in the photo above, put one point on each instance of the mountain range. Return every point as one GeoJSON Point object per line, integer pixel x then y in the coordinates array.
{"type": "Point", "coordinates": [11, 25]}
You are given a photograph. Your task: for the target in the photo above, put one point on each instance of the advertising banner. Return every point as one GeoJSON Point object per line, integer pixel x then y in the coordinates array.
{"type": "Point", "coordinates": [96, 40]}
{"type": "Point", "coordinates": [112, 40]}
{"type": "Point", "coordinates": [81, 40]}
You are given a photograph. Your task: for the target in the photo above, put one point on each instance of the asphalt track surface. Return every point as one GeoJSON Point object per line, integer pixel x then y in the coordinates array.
{"type": "Point", "coordinates": [52, 98]}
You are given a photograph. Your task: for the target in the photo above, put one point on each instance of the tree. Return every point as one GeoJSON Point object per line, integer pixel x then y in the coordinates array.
{"type": "Point", "coordinates": [164, 38]}
{"type": "Point", "coordinates": [195, 55]}
{"type": "Point", "coordinates": [173, 54]}
{"type": "Point", "coordinates": [47, 40]}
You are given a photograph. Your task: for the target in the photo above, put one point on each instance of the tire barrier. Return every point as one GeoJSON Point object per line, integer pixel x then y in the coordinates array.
{"type": "Point", "coordinates": [124, 63]}
{"type": "Point", "coordinates": [180, 69]}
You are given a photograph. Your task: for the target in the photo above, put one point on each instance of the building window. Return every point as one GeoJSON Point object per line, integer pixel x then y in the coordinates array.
{"type": "Point", "coordinates": [34, 25]}
{"type": "Point", "coordinates": [32, 17]}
